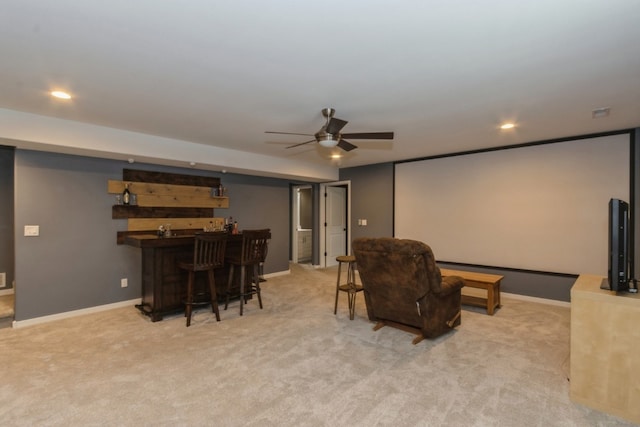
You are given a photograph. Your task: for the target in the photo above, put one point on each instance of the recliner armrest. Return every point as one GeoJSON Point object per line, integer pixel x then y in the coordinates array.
{"type": "Point", "coordinates": [451, 284]}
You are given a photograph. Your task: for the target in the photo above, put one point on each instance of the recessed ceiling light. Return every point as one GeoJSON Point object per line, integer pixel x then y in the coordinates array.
{"type": "Point", "coordinates": [60, 94]}
{"type": "Point", "coordinates": [336, 156]}
{"type": "Point", "coordinates": [506, 126]}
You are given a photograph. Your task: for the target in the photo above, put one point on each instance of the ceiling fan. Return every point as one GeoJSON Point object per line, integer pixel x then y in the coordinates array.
{"type": "Point", "coordinates": [329, 134]}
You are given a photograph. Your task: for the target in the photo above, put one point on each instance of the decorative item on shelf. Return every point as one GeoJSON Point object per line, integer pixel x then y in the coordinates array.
{"type": "Point", "coordinates": [209, 227]}
{"type": "Point", "coordinates": [164, 230]}
{"type": "Point", "coordinates": [218, 191]}
{"type": "Point", "coordinates": [235, 228]}
{"type": "Point", "coordinates": [133, 199]}
{"type": "Point", "coordinates": [126, 194]}
{"type": "Point", "coordinates": [118, 199]}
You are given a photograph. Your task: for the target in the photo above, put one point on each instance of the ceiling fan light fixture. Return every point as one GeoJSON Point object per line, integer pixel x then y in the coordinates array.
{"type": "Point", "coordinates": [327, 141]}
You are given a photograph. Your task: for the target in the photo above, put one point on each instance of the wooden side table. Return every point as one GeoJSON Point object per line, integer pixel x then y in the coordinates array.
{"type": "Point", "coordinates": [488, 282]}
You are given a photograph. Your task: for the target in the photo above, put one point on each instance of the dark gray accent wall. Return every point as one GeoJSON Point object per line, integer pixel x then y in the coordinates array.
{"type": "Point", "coordinates": [257, 202]}
{"type": "Point", "coordinates": [75, 263]}
{"type": "Point", "coordinates": [371, 199]}
{"type": "Point", "coordinates": [6, 215]}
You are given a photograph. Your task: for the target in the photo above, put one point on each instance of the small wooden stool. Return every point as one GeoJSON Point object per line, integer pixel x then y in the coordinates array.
{"type": "Point", "coordinates": [351, 288]}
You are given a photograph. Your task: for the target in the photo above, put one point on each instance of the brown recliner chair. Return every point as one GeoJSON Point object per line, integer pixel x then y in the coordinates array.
{"type": "Point", "coordinates": [403, 287]}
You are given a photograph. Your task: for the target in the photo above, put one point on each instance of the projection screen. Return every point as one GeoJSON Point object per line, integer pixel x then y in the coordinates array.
{"type": "Point", "coordinates": [537, 207]}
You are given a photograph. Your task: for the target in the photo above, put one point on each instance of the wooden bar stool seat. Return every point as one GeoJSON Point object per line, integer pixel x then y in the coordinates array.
{"type": "Point", "coordinates": [351, 287]}
{"type": "Point", "coordinates": [208, 254]}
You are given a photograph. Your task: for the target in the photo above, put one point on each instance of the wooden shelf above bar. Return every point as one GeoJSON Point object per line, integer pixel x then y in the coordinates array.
{"type": "Point", "coordinates": [183, 202]}
{"type": "Point", "coordinates": [124, 212]}
{"type": "Point", "coordinates": [130, 175]}
{"type": "Point", "coordinates": [140, 224]}
{"type": "Point", "coordinates": [169, 195]}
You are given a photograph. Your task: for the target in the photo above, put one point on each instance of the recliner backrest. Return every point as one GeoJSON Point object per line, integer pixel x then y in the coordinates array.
{"type": "Point", "coordinates": [396, 274]}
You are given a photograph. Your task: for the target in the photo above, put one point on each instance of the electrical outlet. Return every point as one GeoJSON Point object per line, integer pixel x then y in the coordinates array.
{"type": "Point", "coordinates": [3, 280]}
{"type": "Point", "coordinates": [124, 283]}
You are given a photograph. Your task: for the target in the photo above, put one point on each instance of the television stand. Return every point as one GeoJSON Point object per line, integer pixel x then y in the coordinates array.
{"type": "Point", "coordinates": [605, 342]}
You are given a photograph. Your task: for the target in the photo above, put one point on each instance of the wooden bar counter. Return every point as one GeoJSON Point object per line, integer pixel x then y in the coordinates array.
{"type": "Point", "coordinates": [163, 283]}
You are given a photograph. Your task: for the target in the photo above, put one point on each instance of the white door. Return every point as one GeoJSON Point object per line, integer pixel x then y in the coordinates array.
{"type": "Point", "coordinates": [336, 220]}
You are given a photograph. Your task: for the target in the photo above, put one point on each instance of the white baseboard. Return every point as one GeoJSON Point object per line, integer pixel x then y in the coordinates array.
{"type": "Point", "coordinates": [74, 313]}
{"type": "Point", "coordinates": [6, 291]}
{"type": "Point", "coordinates": [536, 299]}
{"type": "Point", "coordinates": [97, 309]}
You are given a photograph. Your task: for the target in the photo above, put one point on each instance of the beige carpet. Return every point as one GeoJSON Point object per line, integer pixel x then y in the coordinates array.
{"type": "Point", "coordinates": [292, 364]}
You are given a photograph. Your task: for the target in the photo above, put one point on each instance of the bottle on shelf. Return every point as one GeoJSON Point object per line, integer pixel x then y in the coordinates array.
{"type": "Point", "coordinates": [126, 195]}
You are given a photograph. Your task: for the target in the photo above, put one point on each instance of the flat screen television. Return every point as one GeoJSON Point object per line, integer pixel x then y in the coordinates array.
{"type": "Point", "coordinates": [618, 273]}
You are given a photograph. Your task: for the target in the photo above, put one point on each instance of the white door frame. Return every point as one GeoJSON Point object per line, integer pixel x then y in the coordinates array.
{"type": "Point", "coordinates": [323, 219]}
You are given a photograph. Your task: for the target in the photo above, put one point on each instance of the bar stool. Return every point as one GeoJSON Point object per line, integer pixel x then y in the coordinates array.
{"type": "Point", "coordinates": [252, 253]}
{"type": "Point", "coordinates": [351, 287]}
{"type": "Point", "coordinates": [208, 254]}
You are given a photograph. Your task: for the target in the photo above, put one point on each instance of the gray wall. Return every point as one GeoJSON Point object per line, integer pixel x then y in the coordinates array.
{"type": "Point", "coordinates": [6, 215]}
{"type": "Point", "coordinates": [371, 199]}
{"type": "Point", "coordinates": [75, 263]}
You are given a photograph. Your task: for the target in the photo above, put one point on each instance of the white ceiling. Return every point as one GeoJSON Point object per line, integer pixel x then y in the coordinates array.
{"type": "Point", "coordinates": [441, 74]}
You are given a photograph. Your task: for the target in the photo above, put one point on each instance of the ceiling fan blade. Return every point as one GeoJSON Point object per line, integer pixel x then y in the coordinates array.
{"type": "Point", "coordinates": [289, 133]}
{"type": "Point", "coordinates": [346, 145]}
{"type": "Point", "coordinates": [302, 143]}
{"type": "Point", "coordinates": [369, 135]}
{"type": "Point", "coordinates": [335, 125]}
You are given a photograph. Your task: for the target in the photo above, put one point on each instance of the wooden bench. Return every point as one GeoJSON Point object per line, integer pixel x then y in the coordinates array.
{"type": "Point", "coordinates": [488, 282]}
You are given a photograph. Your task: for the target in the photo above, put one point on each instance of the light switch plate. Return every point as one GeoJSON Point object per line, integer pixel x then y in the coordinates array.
{"type": "Point", "coordinates": [31, 230]}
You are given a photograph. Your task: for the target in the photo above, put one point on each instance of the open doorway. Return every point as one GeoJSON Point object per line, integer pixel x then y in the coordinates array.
{"type": "Point", "coordinates": [302, 224]}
